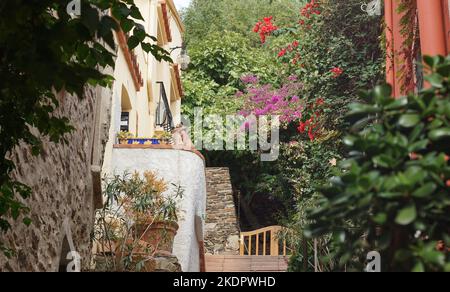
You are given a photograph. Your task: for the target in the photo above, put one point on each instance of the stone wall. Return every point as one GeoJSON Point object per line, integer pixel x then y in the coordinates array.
{"type": "Point", "coordinates": [221, 229]}
{"type": "Point", "coordinates": [65, 184]}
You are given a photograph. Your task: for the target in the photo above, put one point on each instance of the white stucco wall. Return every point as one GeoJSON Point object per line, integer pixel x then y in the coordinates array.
{"type": "Point", "coordinates": [144, 99]}
{"type": "Point", "coordinates": [181, 168]}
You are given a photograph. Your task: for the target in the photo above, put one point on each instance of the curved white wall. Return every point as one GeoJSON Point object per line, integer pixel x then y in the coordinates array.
{"type": "Point", "coordinates": [181, 168]}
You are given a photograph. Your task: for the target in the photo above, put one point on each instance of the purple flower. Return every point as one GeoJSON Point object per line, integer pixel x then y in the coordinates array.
{"type": "Point", "coordinates": [260, 112]}
{"type": "Point", "coordinates": [295, 98]}
{"type": "Point", "coordinates": [275, 99]}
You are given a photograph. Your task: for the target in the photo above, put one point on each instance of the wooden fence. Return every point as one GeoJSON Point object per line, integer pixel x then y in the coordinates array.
{"type": "Point", "coordinates": [263, 242]}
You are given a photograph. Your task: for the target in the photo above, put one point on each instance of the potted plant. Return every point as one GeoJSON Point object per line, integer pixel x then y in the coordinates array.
{"type": "Point", "coordinates": [123, 137]}
{"type": "Point", "coordinates": [138, 221]}
{"type": "Point", "coordinates": [154, 213]}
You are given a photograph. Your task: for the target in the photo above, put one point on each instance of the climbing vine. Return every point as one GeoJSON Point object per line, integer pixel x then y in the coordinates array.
{"type": "Point", "coordinates": [409, 52]}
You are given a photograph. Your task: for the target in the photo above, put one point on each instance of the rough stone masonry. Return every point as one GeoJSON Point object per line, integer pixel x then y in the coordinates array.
{"type": "Point", "coordinates": [221, 227]}
{"type": "Point", "coordinates": [63, 187]}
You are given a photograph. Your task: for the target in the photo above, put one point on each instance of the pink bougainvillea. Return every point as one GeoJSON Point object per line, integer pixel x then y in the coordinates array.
{"type": "Point", "coordinates": [285, 101]}
{"type": "Point", "coordinates": [263, 100]}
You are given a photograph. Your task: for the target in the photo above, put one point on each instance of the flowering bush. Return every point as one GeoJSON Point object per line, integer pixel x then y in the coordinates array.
{"type": "Point", "coordinates": [263, 100]}
{"type": "Point", "coordinates": [310, 9]}
{"type": "Point", "coordinates": [333, 63]}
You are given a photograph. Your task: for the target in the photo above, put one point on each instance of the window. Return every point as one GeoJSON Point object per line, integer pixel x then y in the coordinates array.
{"type": "Point", "coordinates": [125, 122]}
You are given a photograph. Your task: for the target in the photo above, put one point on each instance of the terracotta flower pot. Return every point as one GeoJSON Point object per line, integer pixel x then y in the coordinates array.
{"type": "Point", "coordinates": [160, 235]}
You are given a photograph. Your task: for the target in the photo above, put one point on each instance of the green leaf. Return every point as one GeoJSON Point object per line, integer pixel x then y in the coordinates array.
{"type": "Point", "coordinates": [397, 103]}
{"type": "Point", "coordinates": [147, 47]}
{"type": "Point", "coordinates": [383, 93]}
{"type": "Point", "coordinates": [433, 256]}
{"type": "Point", "coordinates": [120, 11]}
{"type": "Point", "coordinates": [418, 268]}
{"type": "Point", "coordinates": [380, 218]}
{"type": "Point", "coordinates": [133, 42]}
{"type": "Point", "coordinates": [349, 140]}
{"type": "Point", "coordinates": [383, 160]}
{"type": "Point", "coordinates": [418, 146]}
{"type": "Point", "coordinates": [435, 80]}
{"type": "Point", "coordinates": [126, 25]}
{"type": "Point", "coordinates": [414, 174]}
{"type": "Point", "coordinates": [359, 108]}
{"type": "Point", "coordinates": [90, 18]}
{"type": "Point", "coordinates": [135, 13]}
{"type": "Point", "coordinates": [425, 190]}
{"type": "Point", "coordinates": [409, 120]}
{"type": "Point", "coordinates": [438, 134]}
{"type": "Point", "coordinates": [407, 215]}
{"type": "Point", "coordinates": [444, 70]}
{"type": "Point", "coordinates": [431, 61]}
{"type": "Point", "coordinates": [390, 195]}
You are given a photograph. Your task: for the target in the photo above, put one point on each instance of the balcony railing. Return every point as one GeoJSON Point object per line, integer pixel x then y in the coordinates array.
{"type": "Point", "coordinates": [164, 116]}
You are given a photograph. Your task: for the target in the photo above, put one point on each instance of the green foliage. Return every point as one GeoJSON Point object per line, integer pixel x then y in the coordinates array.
{"type": "Point", "coordinates": [223, 57]}
{"type": "Point", "coordinates": [392, 194]}
{"type": "Point", "coordinates": [204, 17]}
{"type": "Point", "coordinates": [226, 49]}
{"type": "Point", "coordinates": [206, 94]}
{"type": "Point", "coordinates": [43, 50]}
{"type": "Point", "coordinates": [218, 63]}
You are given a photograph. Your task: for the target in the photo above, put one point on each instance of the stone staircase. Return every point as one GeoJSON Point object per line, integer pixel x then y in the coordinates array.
{"type": "Point", "coordinates": [226, 248]}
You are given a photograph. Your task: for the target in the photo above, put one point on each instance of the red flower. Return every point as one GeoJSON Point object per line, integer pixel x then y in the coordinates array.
{"type": "Point", "coordinates": [311, 134]}
{"type": "Point", "coordinates": [302, 128]}
{"type": "Point", "coordinates": [265, 28]}
{"type": "Point", "coordinates": [336, 72]}
{"type": "Point", "coordinates": [257, 27]}
{"type": "Point", "coordinates": [282, 53]}
{"type": "Point", "coordinates": [310, 9]}
{"type": "Point", "coordinates": [295, 44]}
{"type": "Point", "coordinates": [448, 183]}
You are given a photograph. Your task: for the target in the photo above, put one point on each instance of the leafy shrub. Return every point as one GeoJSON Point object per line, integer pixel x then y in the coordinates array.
{"type": "Point", "coordinates": [392, 193]}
